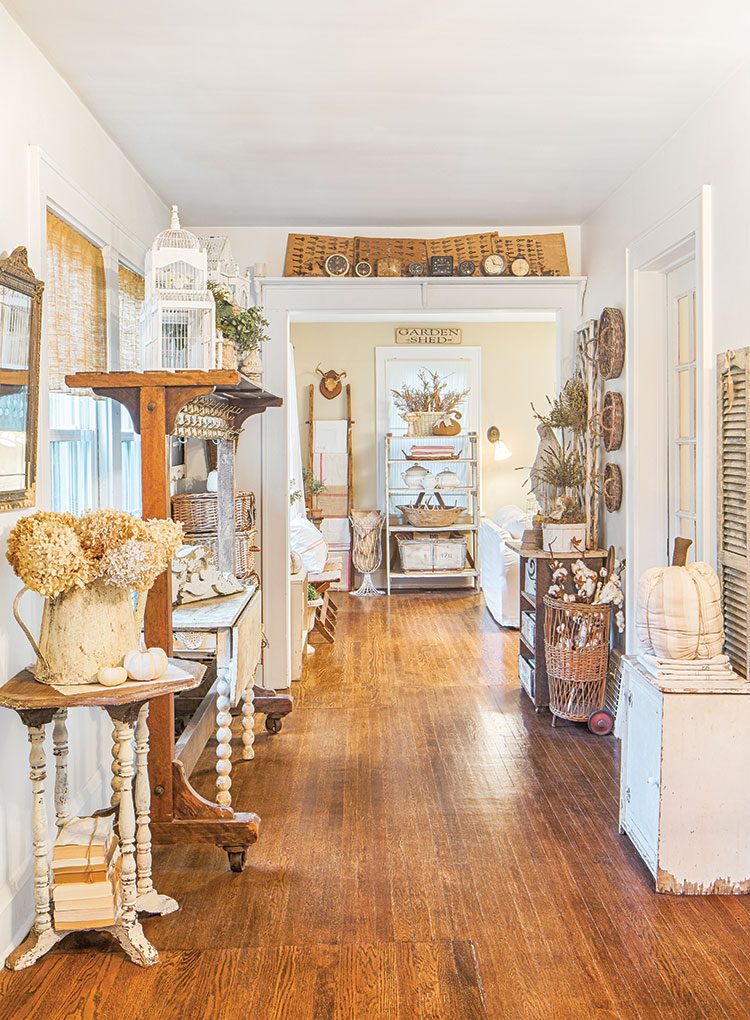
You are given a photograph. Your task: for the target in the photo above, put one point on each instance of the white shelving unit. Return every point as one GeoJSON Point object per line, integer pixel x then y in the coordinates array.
{"type": "Point", "coordinates": [467, 495]}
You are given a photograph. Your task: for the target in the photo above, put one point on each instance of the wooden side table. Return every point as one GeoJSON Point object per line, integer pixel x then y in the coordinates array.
{"type": "Point", "coordinates": [38, 705]}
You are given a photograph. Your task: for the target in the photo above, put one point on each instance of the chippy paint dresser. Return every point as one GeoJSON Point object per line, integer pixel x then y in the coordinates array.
{"type": "Point", "coordinates": [683, 781]}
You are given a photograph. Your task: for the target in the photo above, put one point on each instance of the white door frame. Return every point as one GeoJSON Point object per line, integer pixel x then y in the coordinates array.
{"type": "Point", "coordinates": [288, 299]}
{"type": "Point", "coordinates": [683, 235]}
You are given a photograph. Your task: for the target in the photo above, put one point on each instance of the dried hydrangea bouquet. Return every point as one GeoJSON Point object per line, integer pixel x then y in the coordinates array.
{"type": "Point", "coordinates": [87, 570]}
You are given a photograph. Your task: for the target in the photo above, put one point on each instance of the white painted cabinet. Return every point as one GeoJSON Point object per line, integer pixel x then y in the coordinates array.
{"type": "Point", "coordinates": [684, 780]}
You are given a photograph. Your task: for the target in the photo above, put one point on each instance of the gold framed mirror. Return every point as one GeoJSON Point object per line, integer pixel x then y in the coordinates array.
{"type": "Point", "coordinates": [20, 343]}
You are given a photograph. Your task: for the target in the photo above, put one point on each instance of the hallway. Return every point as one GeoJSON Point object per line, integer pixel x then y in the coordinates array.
{"type": "Point", "coordinates": [430, 848]}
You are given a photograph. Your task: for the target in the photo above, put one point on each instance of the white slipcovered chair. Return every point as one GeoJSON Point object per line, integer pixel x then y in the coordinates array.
{"type": "Point", "coordinates": [500, 566]}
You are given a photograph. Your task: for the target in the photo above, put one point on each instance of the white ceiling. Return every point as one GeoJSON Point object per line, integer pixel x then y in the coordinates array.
{"type": "Point", "coordinates": [418, 111]}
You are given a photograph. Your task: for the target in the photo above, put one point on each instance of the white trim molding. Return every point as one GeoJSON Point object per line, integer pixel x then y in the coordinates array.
{"type": "Point", "coordinates": [680, 237]}
{"type": "Point", "coordinates": [292, 299]}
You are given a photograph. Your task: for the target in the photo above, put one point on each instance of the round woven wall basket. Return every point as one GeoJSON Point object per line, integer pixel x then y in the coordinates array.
{"type": "Point", "coordinates": [613, 421]}
{"type": "Point", "coordinates": [612, 487]}
{"type": "Point", "coordinates": [610, 347]}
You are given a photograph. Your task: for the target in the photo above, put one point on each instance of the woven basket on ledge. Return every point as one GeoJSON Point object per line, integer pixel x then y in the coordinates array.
{"type": "Point", "coordinates": [199, 511]}
{"type": "Point", "coordinates": [432, 516]}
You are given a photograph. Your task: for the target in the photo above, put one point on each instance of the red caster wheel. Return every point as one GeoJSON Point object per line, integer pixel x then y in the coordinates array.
{"type": "Point", "coordinates": [601, 722]}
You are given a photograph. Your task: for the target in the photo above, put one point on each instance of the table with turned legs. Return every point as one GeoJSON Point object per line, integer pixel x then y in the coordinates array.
{"type": "Point", "coordinates": [38, 705]}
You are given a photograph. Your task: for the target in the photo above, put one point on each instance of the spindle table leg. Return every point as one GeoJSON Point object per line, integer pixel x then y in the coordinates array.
{"type": "Point", "coordinates": [60, 751]}
{"type": "Point", "coordinates": [127, 929]}
{"type": "Point", "coordinates": [42, 936]}
{"type": "Point", "coordinates": [148, 901]}
{"type": "Point", "coordinates": [248, 723]}
{"type": "Point", "coordinates": [223, 742]}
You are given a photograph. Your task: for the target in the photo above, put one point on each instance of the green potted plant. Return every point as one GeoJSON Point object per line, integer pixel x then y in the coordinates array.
{"type": "Point", "coordinates": [314, 487]}
{"type": "Point", "coordinates": [245, 329]}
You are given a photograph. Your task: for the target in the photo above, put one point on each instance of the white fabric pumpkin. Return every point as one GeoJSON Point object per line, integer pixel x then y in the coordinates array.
{"type": "Point", "coordinates": [679, 612]}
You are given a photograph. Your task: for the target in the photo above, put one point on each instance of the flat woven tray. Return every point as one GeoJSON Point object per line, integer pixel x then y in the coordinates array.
{"type": "Point", "coordinates": [306, 254]}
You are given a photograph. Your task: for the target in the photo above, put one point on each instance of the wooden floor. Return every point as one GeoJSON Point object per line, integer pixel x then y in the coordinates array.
{"type": "Point", "coordinates": [430, 849]}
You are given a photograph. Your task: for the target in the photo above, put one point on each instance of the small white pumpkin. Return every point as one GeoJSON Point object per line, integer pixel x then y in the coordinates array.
{"type": "Point", "coordinates": [112, 676]}
{"type": "Point", "coordinates": [139, 665]}
{"type": "Point", "coordinates": [160, 660]}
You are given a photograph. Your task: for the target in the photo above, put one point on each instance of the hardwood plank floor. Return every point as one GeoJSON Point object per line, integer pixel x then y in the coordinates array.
{"type": "Point", "coordinates": [430, 848]}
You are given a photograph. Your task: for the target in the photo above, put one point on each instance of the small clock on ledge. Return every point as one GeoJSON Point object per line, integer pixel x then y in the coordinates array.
{"type": "Point", "coordinates": [363, 269]}
{"type": "Point", "coordinates": [466, 267]}
{"type": "Point", "coordinates": [494, 265]}
{"type": "Point", "coordinates": [337, 264]}
{"type": "Point", "coordinates": [441, 265]}
{"type": "Point", "coordinates": [520, 266]}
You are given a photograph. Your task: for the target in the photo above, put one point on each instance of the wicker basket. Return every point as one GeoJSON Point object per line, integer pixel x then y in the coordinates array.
{"type": "Point", "coordinates": [545, 253]}
{"type": "Point", "coordinates": [475, 247]}
{"type": "Point", "coordinates": [306, 254]}
{"type": "Point", "coordinates": [576, 649]}
{"type": "Point", "coordinates": [199, 511]}
{"type": "Point", "coordinates": [610, 343]}
{"type": "Point", "coordinates": [612, 421]}
{"type": "Point", "coordinates": [422, 423]}
{"type": "Point", "coordinates": [244, 549]}
{"type": "Point", "coordinates": [405, 249]}
{"type": "Point", "coordinates": [432, 516]}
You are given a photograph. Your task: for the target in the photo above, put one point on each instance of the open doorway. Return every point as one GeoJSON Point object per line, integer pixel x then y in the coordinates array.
{"type": "Point", "coordinates": [506, 361]}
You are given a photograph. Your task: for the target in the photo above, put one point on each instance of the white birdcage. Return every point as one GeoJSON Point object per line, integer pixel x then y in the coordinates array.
{"type": "Point", "coordinates": [225, 270]}
{"type": "Point", "coordinates": [179, 311]}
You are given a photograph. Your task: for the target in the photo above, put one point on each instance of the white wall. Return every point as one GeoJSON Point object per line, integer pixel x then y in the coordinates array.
{"type": "Point", "coordinates": [713, 147]}
{"type": "Point", "coordinates": [268, 244]}
{"type": "Point", "coordinates": [41, 110]}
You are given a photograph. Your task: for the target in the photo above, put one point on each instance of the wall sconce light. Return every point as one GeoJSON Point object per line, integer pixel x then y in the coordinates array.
{"type": "Point", "coordinates": [501, 450]}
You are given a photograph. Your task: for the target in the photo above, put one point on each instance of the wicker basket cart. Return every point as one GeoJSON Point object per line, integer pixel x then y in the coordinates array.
{"type": "Point", "coordinates": [576, 647]}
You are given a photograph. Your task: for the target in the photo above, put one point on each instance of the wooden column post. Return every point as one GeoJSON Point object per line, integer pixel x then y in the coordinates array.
{"type": "Point", "coordinates": [225, 475]}
{"type": "Point", "coordinates": [158, 621]}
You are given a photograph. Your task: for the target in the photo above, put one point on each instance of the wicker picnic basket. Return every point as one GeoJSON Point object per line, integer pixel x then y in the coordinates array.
{"type": "Point", "coordinates": [306, 254]}
{"type": "Point", "coordinates": [432, 516]}
{"type": "Point", "coordinates": [475, 247]}
{"type": "Point", "coordinates": [576, 649]}
{"type": "Point", "coordinates": [545, 253]}
{"type": "Point", "coordinates": [199, 511]}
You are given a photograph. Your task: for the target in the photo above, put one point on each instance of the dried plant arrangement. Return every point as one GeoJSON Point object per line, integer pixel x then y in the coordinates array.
{"type": "Point", "coordinates": [87, 570]}
{"type": "Point", "coordinates": [431, 395]}
{"type": "Point", "coordinates": [558, 474]}
{"type": "Point", "coordinates": [590, 587]}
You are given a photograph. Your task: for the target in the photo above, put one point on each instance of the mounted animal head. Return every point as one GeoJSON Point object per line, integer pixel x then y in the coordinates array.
{"type": "Point", "coordinates": [330, 382]}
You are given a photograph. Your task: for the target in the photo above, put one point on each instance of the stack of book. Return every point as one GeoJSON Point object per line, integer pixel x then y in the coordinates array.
{"type": "Point", "coordinates": [86, 871]}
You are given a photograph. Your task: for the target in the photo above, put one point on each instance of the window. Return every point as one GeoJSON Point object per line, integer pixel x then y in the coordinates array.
{"type": "Point", "coordinates": [683, 495]}
{"type": "Point", "coordinates": [92, 323]}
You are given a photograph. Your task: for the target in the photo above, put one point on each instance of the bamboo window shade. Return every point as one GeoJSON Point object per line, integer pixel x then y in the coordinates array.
{"type": "Point", "coordinates": [132, 292]}
{"type": "Point", "coordinates": [75, 304]}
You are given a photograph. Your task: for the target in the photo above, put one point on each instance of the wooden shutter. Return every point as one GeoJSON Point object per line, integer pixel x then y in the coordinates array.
{"type": "Point", "coordinates": [75, 304]}
{"type": "Point", "coordinates": [734, 468]}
